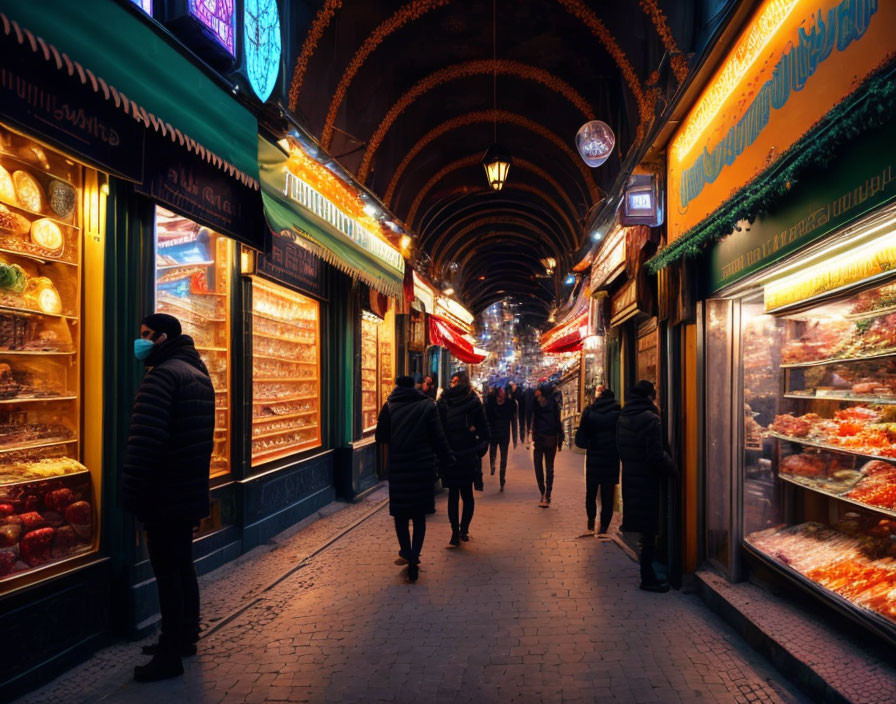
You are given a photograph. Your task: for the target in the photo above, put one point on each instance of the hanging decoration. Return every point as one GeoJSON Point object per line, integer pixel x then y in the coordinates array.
{"type": "Point", "coordinates": [815, 150]}
{"type": "Point", "coordinates": [497, 160]}
{"type": "Point", "coordinates": [595, 141]}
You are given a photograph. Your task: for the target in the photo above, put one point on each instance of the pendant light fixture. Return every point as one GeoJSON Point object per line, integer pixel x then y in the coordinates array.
{"type": "Point", "coordinates": [497, 160]}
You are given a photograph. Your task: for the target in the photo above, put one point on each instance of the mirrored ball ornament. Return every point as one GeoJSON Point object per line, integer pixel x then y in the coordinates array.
{"type": "Point", "coordinates": [595, 141]}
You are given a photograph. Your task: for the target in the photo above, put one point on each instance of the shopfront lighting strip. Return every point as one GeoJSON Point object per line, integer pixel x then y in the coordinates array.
{"type": "Point", "coordinates": [309, 198]}
{"type": "Point", "coordinates": [371, 316]}
{"type": "Point", "coordinates": [851, 265]}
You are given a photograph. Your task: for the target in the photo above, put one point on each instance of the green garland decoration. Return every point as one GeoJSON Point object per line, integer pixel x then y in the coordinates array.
{"type": "Point", "coordinates": [871, 106]}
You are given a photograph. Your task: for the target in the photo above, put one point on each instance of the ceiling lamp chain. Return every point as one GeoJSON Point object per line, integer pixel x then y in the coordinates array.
{"type": "Point", "coordinates": [497, 160]}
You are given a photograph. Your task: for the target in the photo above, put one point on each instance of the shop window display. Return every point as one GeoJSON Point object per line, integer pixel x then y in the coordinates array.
{"type": "Point", "coordinates": [47, 496]}
{"type": "Point", "coordinates": [819, 444]}
{"type": "Point", "coordinates": [193, 283]}
{"type": "Point", "coordinates": [369, 410]}
{"type": "Point", "coordinates": [377, 365]}
{"type": "Point", "coordinates": [285, 372]}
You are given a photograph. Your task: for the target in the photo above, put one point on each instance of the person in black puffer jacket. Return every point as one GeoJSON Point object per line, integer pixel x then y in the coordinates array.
{"type": "Point", "coordinates": [547, 438]}
{"type": "Point", "coordinates": [164, 480]}
{"type": "Point", "coordinates": [645, 462]}
{"type": "Point", "coordinates": [467, 429]}
{"type": "Point", "coordinates": [597, 435]}
{"type": "Point", "coordinates": [409, 422]}
{"type": "Point", "coordinates": [500, 411]}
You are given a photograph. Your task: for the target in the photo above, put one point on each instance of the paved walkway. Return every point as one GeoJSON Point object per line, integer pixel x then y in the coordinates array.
{"type": "Point", "coordinates": [525, 612]}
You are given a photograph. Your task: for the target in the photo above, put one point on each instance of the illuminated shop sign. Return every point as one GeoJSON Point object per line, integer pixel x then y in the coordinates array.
{"type": "Point", "coordinates": [218, 16]}
{"type": "Point", "coordinates": [797, 60]}
{"type": "Point", "coordinates": [261, 42]}
{"type": "Point", "coordinates": [309, 198]}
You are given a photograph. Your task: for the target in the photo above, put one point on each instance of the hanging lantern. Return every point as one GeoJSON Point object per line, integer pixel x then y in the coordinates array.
{"type": "Point", "coordinates": [595, 141]}
{"type": "Point", "coordinates": [497, 162]}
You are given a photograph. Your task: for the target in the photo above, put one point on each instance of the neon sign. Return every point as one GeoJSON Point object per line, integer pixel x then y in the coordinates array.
{"type": "Point", "coordinates": [218, 17]}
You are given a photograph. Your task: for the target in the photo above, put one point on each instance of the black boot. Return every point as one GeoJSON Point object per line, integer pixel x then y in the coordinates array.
{"type": "Point", "coordinates": [413, 571]}
{"type": "Point", "coordinates": [465, 534]}
{"type": "Point", "coordinates": [165, 664]}
{"type": "Point", "coordinates": [455, 538]}
{"type": "Point", "coordinates": [186, 649]}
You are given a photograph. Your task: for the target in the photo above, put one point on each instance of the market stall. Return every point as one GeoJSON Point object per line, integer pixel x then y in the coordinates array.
{"type": "Point", "coordinates": [800, 454]}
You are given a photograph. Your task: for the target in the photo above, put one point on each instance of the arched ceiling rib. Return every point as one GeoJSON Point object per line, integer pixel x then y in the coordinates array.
{"type": "Point", "coordinates": [401, 92]}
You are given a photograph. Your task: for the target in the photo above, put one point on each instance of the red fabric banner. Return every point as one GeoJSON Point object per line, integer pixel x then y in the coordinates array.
{"type": "Point", "coordinates": [444, 334]}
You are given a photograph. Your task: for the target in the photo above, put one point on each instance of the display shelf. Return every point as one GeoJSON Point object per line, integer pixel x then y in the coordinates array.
{"type": "Point", "coordinates": [48, 442]}
{"type": "Point", "coordinates": [832, 448]}
{"type": "Point", "coordinates": [285, 416]}
{"type": "Point", "coordinates": [296, 322]}
{"type": "Point", "coordinates": [37, 399]}
{"type": "Point", "coordinates": [15, 309]}
{"type": "Point", "coordinates": [275, 433]}
{"type": "Point", "coordinates": [283, 359]}
{"type": "Point", "coordinates": [839, 360]}
{"type": "Point", "coordinates": [37, 257]}
{"type": "Point", "coordinates": [284, 380]}
{"type": "Point", "coordinates": [292, 340]}
{"type": "Point", "coordinates": [210, 349]}
{"type": "Point", "coordinates": [806, 484]}
{"type": "Point", "coordinates": [42, 216]}
{"type": "Point", "coordinates": [285, 399]}
{"type": "Point", "coordinates": [276, 453]}
{"type": "Point", "coordinates": [871, 313]}
{"type": "Point", "coordinates": [843, 397]}
{"type": "Point", "coordinates": [42, 479]}
{"type": "Point", "coordinates": [183, 265]}
{"type": "Point", "coordinates": [36, 352]}
{"type": "Point", "coordinates": [856, 612]}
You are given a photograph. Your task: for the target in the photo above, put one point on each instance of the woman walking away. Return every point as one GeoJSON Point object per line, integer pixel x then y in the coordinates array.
{"type": "Point", "coordinates": [464, 421]}
{"type": "Point", "coordinates": [597, 435]}
{"type": "Point", "coordinates": [409, 422]}
{"type": "Point", "coordinates": [500, 411]}
{"type": "Point", "coordinates": [547, 437]}
{"type": "Point", "coordinates": [644, 463]}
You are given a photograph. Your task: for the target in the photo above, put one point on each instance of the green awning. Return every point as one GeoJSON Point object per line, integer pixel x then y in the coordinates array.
{"type": "Point", "coordinates": [172, 95]}
{"type": "Point", "coordinates": [317, 234]}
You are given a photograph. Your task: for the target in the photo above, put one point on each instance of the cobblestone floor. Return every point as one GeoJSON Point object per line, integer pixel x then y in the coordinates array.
{"type": "Point", "coordinates": [525, 612]}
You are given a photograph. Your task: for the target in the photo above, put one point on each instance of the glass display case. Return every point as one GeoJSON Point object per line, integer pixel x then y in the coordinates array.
{"type": "Point", "coordinates": [593, 372]}
{"type": "Point", "coordinates": [386, 360]}
{"type": "Point", "coordinates": [286, 404]}
{"type": "Point", "coordinates": [369, 410]}
{"type": "Point", "coordinates": [819, 445]}
{"type": "Point", "coordinates": [193, 282]}
{"type": "Point", "coordinates": [47, 499]}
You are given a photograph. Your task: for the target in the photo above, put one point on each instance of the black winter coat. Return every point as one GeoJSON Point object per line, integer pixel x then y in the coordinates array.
{"type": "Point", "coordinates": [597, 435]}
{"type": "Point", "coordinates": [460, 409]}
{"type": "Point", "coordinates": [166, 461]}
{"type": "Point", "coordinates": [545, 419]}
{"type": "Point", "coordinates": [644, 463]}
{"type": "Point", "coordinates": [501, 419]}
{"type": "Point", "coordinates": [409, 422]}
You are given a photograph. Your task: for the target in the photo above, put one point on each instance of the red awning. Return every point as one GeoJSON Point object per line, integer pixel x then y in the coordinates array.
{"type": "Point", "coordinates": [444, 334]}
{"type": "Point", "coordinates": [567, 337]}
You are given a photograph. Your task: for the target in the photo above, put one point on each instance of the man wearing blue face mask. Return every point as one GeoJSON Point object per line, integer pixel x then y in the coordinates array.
{"type": "Point", "coordinates": [164, 480]}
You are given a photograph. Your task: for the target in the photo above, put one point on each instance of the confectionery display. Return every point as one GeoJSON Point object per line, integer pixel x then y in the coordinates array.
{"type": "Point", "coordinates": [854, 560]}
{"type": "Point", "coordinates": [387, 382]}
{"type": "Point", "coordinates": [285, 372]}
{"type": "Point", "coordinates": [47, 519]}
{"type": "Point", "coordinates": [820, 427]}
{"type": "Point", "coordinates": [46, 497]}
{"type": "Point", "coordinates": [369, 410]}
{"type": "Point", "coordinates": [193, 279]}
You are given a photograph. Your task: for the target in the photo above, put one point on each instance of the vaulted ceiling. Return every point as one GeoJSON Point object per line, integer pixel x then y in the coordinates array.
{"type": "Point", "coordinates": [401, 93]}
